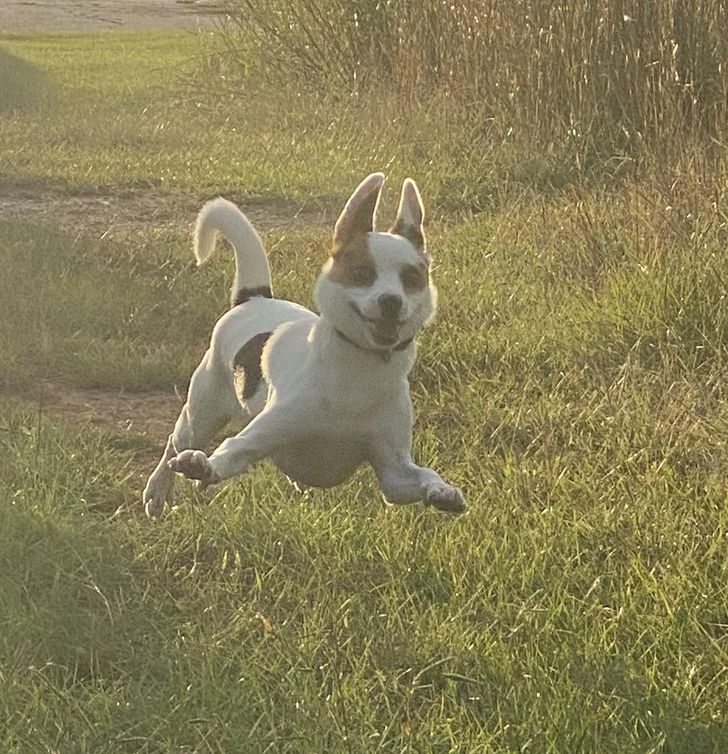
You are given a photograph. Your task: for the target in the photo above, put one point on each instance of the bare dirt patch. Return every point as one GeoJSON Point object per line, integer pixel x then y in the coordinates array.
{"type": "Point", "coordinates": [101, 15]}
{"type": "Point", "coordinates": [135, 416]}
{"type": "Point", "coordinates": [141, 421]}
{"type": "Point", "coordinates": [142, 214]}
{"type": "Point", "coordinates": [149, 414]}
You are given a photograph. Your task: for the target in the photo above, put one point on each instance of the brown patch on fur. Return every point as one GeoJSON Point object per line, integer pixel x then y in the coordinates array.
{"type": "Point", "coordinates": [414, 235]}
{"type": "Point", "coordinates": [248, 372]}
{"type": "Point", "coordinates": [414, 277]}
{"type": "Point", "coordinates": [353, 266]}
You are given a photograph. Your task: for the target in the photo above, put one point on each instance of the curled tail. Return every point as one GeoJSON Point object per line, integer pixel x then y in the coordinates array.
{"type": "Point", "coordinates": [252, 273]}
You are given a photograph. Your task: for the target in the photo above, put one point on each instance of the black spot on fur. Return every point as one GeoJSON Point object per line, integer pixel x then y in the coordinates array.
{"type": "Point", "coordinates": [245, 294]}
{"type": "Point", "coordinates": [248, 373]}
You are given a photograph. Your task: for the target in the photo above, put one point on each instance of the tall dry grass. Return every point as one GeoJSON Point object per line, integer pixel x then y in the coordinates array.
{"type": "Point", "coordinates": [603, 74]}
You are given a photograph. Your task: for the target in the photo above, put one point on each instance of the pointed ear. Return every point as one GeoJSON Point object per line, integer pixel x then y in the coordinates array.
{"type": "Point", "coordinates": [410, 216]}
{"type": "Point", "coordinates": [358, 214]}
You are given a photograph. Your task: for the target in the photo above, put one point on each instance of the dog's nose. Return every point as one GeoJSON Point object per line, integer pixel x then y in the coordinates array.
{"type": "Point", "coordinates": [389, 305]}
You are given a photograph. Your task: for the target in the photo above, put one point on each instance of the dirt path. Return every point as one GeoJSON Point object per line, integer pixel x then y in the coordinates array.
{"type": "Point", "coordinates": [100, 15]}
{"type": "Point", "coordinates": [143, 214]}
{"type": "Point", "coordinates": [150, 414]}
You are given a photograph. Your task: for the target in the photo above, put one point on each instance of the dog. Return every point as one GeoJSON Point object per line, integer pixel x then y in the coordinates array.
{"type": "Point", "coordinates": [318, 395]}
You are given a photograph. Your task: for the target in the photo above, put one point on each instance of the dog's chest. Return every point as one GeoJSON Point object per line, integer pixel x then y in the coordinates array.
{"type": "Point", "coordinates": [328, 436]}
{"type": "Point", "coordinates": [335, 411]}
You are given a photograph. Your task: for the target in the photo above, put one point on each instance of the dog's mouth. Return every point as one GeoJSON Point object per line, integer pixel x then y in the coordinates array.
{"type": "Point", "coordinates": [384, 330]}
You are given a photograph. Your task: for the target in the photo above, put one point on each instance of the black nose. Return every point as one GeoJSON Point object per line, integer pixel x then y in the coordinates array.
{"type": "Point", "coordinates": [390, 305]}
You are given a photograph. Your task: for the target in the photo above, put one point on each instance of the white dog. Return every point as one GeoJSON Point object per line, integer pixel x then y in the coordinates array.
{"type": "Point", "coordinates": [317, 395]}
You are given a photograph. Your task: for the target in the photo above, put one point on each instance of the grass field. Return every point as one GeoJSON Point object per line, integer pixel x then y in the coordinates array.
{"type": "Point", "coordinates": [573, 385]}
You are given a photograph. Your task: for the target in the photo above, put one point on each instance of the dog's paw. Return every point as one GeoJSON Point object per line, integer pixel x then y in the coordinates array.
{"type": "Point", "coordinates": [154, 501]}
{"type": "Point", "coordinates": [194, 464]}
{"type": "Point", "coordinates": [445, 498]}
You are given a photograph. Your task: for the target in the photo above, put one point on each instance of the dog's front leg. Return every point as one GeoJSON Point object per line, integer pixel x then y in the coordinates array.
{"type": "Point", "coordinates": [403, 482]}
{"type": "Point", "coordinates": [236, 455]}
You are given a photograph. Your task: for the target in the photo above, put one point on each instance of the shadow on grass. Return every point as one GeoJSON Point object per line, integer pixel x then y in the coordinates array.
{"type": "Point", "coordinates": [66, 581]}
{"type": "Point", "coordinates": [96, 313]}
{"type": "Point", "coordinates": [60, 595]}
{"type": "Point", "coordinates": [22, 84]}
{"type": "Point", "coordinates": [81, 618]}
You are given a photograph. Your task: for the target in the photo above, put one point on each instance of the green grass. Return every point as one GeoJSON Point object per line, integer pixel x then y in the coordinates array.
{"type": "Point", "coordinates": [123, 112]}
{"type": "Point", "coordinates": [572, 385]}
{"type": "Point", "coordinates": [160, 115]}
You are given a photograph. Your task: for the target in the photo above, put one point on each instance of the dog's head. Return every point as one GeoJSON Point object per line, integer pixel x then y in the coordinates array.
{"type": "Point", "coordinates": [375, 288]}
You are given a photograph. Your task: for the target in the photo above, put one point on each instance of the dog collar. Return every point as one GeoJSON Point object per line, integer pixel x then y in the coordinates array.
{"type": "Point", "coordinates": [385, 354]}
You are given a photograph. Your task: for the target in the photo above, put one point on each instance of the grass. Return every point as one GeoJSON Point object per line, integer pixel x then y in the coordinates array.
{"type": "Point", "coordinates": [122, 113]}
{"type": "Point", "coordinates": [573, 385]}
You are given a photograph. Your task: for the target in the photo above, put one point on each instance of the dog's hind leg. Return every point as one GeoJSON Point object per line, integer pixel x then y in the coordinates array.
{"type": "Point", "coordinates": [210, 405]}
{"type": "Point", "coordinates": [160, 485]}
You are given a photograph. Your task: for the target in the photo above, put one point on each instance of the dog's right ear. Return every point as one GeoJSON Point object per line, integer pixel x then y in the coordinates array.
{"type": "Point", "coordinates": [410, 216]}
{"type": "Point", "coordinates": [357, 216]}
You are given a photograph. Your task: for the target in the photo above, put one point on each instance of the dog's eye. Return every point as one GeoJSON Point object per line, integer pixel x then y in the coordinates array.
{"type": "Point", "coordinates": [414, 278]}
{"type": "Point", "coordinates": [362, 275]}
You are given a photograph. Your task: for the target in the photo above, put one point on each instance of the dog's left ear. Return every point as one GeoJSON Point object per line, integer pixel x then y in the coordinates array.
{"type": "Point", "coordinates": [410, 216]}
{"type": "Point", "coordinates": [357, 216]}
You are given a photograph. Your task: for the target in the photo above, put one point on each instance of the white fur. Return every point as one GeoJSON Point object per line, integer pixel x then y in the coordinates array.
{"type": "Point", "coordinates": [390, 253]}
{"type": "Point", "coordinates": [332, 396]}
{"type": "Point", "coordinates": [371, 186]}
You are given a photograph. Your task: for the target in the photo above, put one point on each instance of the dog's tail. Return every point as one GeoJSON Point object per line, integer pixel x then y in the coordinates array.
{"type": "Point", "coordinates": [252, 273]}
